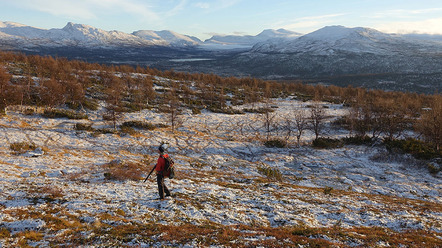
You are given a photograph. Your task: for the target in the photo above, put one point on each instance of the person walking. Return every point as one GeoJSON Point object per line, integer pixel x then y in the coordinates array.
{"type": "Point", "coordinates": [159, 169]}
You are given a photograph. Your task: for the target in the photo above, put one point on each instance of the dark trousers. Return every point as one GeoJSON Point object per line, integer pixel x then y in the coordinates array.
{"type": "Point", "coordinates": [162, 187]}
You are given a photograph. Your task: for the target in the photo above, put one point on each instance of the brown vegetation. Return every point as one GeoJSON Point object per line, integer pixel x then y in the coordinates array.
{"type": "Point", "coordinates": [57, 82]}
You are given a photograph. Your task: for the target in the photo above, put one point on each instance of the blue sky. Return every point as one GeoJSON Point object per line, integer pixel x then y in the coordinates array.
{"type": "Point", "coordinates": [205, 18]}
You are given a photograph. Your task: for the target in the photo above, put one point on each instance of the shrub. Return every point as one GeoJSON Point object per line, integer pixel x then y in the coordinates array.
{"type": "Point", "coordinates": [417, 148]}
{"type": "Point", "coordinates": [63, 113]}
{"type": "Point", "coordinates": [139, 125]}
{"type": "Point", "coordinates": [270, 173]}
{"type": "Point", "coordinates": [83, 127]}
{"type": "Point", "coordinates": [128, 130]}
{"type": "Point", "coordinates": [86, 103]}
{"type": "Point", "coordinates": [117, 170]}
{"type": "Point", "coordinates": [29, 111]}
{"type": "Point", "coordinates": [327, 143]}
{"type": "Point", "coordinates": [229, 111]}
{"type": "Point", "coordinates": [278, 143]}
{"type": "Point", "coordinates": [196, 111]}
{"type": "Point", "coordinates": [22, 147]}
{"type": "Point", "coordinates": [357, 140]}
{"type": "Point", "coordinates": [133, 107]}
{"type": "Point", "coordinates": [327, 190]}
{"type": "Point", "coordinates": [90, 104]}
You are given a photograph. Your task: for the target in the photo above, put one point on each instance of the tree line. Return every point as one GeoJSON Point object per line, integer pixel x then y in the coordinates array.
{"type": "Point", "coordinates": [53, 82]}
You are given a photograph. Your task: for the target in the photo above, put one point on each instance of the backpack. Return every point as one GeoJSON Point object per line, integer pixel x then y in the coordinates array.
{"type": "Point", "coordinates": [169, 170]}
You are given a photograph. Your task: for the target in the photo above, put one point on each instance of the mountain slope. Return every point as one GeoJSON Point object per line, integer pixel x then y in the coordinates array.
{"type": "Point", "coordinates": [89, 37]}
{"type": "Point", "coordinates": [338, 51]}
{"type": "Point", "coordinates": [328, 40]}
{"type": "Point", "coordinates": [167, 37]}
{"type": "Point", "coordinates": [250, 40]}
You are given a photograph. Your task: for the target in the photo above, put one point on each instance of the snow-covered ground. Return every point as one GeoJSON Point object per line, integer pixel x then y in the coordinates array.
{"type": "Point", "coordinates": [218, 159]}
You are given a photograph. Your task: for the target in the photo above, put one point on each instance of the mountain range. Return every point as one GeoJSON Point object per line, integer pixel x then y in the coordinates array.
{"type": "Point", "coordinates": [87, 36]}
{"type": "Point", "coordinates": [332, 55]}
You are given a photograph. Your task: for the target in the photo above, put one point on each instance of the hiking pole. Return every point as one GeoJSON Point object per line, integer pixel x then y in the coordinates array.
{"type": "Point", "coordinates": [149, 173]}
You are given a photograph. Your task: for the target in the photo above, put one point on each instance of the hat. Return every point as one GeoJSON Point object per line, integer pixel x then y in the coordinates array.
{"type": "Point", "coordinates": [162, 148]}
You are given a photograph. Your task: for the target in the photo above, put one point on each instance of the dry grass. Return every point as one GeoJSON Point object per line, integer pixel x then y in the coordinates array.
{"type": "Point", "coordinates": [71, 233]}
{"type": "Point", "coordinates": [4, 233]}
{"type": "Point", "coordinates": [118, 170]}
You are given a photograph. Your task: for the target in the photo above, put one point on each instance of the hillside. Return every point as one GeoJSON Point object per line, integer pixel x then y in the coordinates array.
{"type": "Point", "coordinates": [78, 182]}
{"type": "Point", "coordinates": [221, 195]}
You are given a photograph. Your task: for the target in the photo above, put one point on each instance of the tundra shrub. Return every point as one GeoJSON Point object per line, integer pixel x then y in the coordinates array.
{"type": "Point", "coordinates": [417, 148]}
{"type": "Point", "coordinates": [278, 143]}
{"type": "Point", "coordinates": [358, 140]}
{"type": "Point", "coordinates": [22, 147]}
{"type": "Point", "coordinates": [270, 173]}
{"type": "Point", "coordinates": [327, 143]}
{"type": "Point", "coordinates": [139, 125]}
{"type": "Point", "coordinates": [63, 113]}
{"type": "Point", "coordinates": [83, 127]}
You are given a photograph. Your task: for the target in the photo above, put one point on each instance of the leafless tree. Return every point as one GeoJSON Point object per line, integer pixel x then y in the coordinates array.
{"type": "Point", "coordinates": [173, 108]}
{"type": "Point", "coordinates": [317, 117]}
{"type": "Point", "coordinates": [268, 117]}
{"type": "Point", "coordinates": [300, 121]}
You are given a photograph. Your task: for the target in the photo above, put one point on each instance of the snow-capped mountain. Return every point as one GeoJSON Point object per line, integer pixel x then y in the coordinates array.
{"type": "Point", "coordinates": [15, 30]}
{"type": "Point", "coordinates": [332, 39]}
{"type": "Point", "coordinates": [249, 40]}
{"type": "Point", "coordinates": [338, 53]}
{"type": "Point", "coordinates": [167, 37]}
{"type": "Point", "coordinates": [87, 36]}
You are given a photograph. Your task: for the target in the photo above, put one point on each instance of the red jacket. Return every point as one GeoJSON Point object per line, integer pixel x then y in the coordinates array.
{"type": "Point", "coordinates": [161, 163]}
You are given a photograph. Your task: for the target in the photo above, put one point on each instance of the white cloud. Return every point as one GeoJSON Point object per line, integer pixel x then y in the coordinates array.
{"type": "Point", "coordinates": [405, 13]}
{"type": "Point", "coordinates": [202, 5]}
{"type": "Point", "coordinates": [311, 22]}
{"type": "Point", "coordinates": [429, 26]}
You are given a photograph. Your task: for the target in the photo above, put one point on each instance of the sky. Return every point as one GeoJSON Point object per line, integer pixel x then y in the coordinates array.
{"type": "Point", "coordinates": [204, 19]}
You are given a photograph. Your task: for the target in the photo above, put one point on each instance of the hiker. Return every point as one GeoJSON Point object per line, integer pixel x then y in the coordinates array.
{"type": "Point", "coordinates": [159, 168]}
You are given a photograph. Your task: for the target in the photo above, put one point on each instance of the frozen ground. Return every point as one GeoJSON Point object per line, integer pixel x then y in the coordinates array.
{"type": "Point", "coordinates": [218, 158]}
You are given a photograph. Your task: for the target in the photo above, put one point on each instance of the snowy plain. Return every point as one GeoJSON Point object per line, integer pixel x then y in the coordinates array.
{"type": "Point", "coordinates": [218, 179]}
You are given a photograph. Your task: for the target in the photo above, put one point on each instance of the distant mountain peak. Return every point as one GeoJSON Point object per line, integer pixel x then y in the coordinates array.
{"type": "Point", "coordinates": [167, 37]}
{"type": "Point", "coordinates": [338, 31]}
{"type": "Point", "coordinates": [249, 40]}
{"type": "Point", "coordinates": [279, 32]}
{"type": "Point", "coordinates": [7, 24]}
